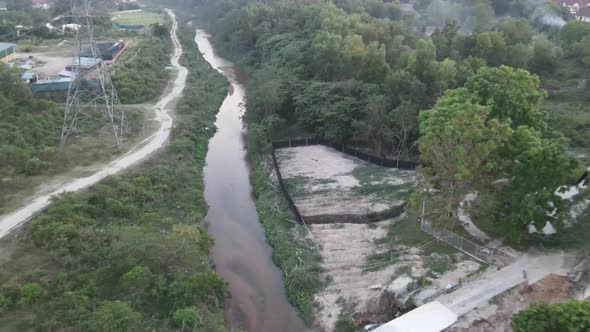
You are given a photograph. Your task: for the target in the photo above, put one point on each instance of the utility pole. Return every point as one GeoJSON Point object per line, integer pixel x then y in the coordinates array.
{"type": "Point", "coordinates": [92, 105]}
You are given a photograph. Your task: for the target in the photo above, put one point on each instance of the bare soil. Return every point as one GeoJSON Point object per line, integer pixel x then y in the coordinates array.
{"type": "Point", "coordinates": [496, 316]}
{"type": "Point", "coordinates": [327, 189]}
{"type": "Point", "coordinates": [366, 295]}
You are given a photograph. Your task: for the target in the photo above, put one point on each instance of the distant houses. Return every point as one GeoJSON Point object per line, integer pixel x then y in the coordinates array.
{"type": "Point", "coordinates": [41, 4]}
{"type": "Point", "coordinates": [579, 9]}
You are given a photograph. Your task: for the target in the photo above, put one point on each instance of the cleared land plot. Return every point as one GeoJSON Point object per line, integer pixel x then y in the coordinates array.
{"type": "Point", "coordinates": [328, 186]}
{"type": "Point", "coordinates": [369, 277]}
{"type": "Point", "coordinates": [138, 18]}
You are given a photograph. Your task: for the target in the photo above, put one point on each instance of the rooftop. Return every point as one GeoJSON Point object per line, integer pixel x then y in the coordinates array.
{"type": "Point", "coordinates": [4, 46]}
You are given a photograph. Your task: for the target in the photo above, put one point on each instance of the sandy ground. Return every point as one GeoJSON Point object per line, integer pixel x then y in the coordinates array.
{"type": "Point", "coordinates": [465, 219]}
{"type": "Point", "coordinates": [50, 63]}
{"type": "Point", "coordinates": [344, 249]}
{"type": "Point", "coordinates": [328, 183]}
{"type": "Point", "coordinates": [139, 152]}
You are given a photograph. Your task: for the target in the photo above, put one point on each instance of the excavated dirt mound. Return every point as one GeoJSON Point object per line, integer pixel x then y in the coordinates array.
{"type": "Point", "coordinates": [328, 186]}
{"type": "Point", "coordinates": [496, 316]}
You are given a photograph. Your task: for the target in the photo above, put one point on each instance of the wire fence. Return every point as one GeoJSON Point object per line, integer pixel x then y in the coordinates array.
{"type": "Point", "coordinates": [469, 247]}
{"type": "Point", "coordinates": [479, 252]}
{"type": "Point", "coordinates": [373, 159]}
{"type": "Point", "coordinates": [284, 190]}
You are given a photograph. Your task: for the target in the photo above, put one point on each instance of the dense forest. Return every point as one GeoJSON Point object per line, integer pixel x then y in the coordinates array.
{"type": "Point", "coordinates": [130, 254]}
{"type": "Point", "coordinates": [501, 85]}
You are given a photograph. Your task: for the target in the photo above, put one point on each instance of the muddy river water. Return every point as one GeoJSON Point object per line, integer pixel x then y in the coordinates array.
{"type": "Point", "coordinates": [243, 258]}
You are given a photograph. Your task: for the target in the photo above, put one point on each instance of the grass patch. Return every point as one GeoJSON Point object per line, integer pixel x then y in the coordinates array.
{"type": "Point", "coordinates": [345, 323]}
{"type": "Point", "coordinates": [438, 264]}
{"type": "Point", "coordinates": [407, 233]}
{"type": "Point", "coordinates": [379, 261]}
{"type": "Point", "coordinates": [139, 18]}
{"type": "Point", "coordinates": [373, 183]}
{"type": "Point", "coordinates": [298, 186]}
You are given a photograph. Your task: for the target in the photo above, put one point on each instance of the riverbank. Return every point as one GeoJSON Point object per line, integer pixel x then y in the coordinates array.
{"type": "Point", "coordinates": [132, 252]}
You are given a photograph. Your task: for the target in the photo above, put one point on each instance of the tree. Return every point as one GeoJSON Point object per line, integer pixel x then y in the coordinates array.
{"type": "Point", "coordinates": [512, 94]}
{"type": "Point", "coordinates": [160, 31]}
{"type": "Point", "coordinates": [445, 40]}
{"type": "Point", "coordinates": [189, 318]}
{"type": "Point", "coordinates": [139, 280]}
{"type": "Point", "coordinates": [544, 55]}
{"type": "Point", "coordinates": [573, 32]}
{"type": "Point", "coordinates": [491, 46]}
{"type": "Point", "coordinates": [374, 68]}
{"type": "Point", "coordinates": [516, 30]}
{"type": "Point", "coordinates": [537, 166]}
{"type": "Point", "coordinates": [354, 52]}
{"type": "Point", "coordinates": [31, 293]}
{"type": "Point", "coordinates": [519, 56]}
{"type": "Point", "coordinates": [114, 317]}
{"type": "Point", "coordinates": [326, 49]}
{"type": "Point", "coordinates": [572, 316]}
{"type": "Point", "coordinates": [456, 146]}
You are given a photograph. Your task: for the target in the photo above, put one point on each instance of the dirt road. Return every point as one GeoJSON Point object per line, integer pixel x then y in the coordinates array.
{"type": "Point", "coordinates": [139, 152]}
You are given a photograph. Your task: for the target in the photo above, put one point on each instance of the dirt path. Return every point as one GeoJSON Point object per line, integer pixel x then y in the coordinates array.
{"type": "Point", "coordinates": [137, 153]}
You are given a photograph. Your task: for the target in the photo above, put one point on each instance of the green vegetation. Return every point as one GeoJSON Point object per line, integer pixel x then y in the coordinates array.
{"type": "Point", "coordinates": [138, 18]}
{"type": "Point", "coordinates": [30, 128]}
{"type": "Point", "coordinates": [293, 252]}
{"type": "Point", "coordinates": [374, 183]}
{"type": "Point", "coordinates": [494, 129]}
{"type": "Point", "coordinates": [406, 232]}
{"type": "Point", "coordinates": [438, 264]}
{"type": "Point", "coordinates": [132, 253]}
{"type": "Point", "coordinates": [141, 74]}
{"type": "Point", "coordinates": [573, 316]}
{"type": "Point", "coordinates": [363, 72]}
{"type": "Point", "coordinates": [345, 323]}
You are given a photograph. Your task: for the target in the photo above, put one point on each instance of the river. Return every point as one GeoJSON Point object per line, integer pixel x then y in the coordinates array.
{"type": "Point", "coordinates": [258, 301]}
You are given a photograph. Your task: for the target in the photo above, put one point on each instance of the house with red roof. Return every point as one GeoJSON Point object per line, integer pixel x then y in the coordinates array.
{"type": "Point", "coordinates": [579, 9]}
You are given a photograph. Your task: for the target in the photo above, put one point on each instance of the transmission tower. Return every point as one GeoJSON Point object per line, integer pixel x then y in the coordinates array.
{"type": "Point", "coordinates": [92, 105]}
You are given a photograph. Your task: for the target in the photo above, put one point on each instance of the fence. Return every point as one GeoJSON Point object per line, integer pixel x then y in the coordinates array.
{"type": "Point", "coordinates": [284, 190]}
{"type": "Point", "coordinates": [467, 246]}
{"type": "Point", "coordinates": [379, 161]}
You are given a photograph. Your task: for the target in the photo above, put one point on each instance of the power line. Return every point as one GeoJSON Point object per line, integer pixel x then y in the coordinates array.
{"type": "Point", "coordinates": [86, 102]}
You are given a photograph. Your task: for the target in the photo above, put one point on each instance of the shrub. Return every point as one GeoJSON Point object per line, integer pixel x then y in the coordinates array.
{"type": "Point", "coordinates": [571, 317]}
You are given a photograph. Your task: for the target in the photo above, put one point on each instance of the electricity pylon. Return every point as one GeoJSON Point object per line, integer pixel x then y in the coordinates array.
{"type": "Point", "coordinates": [93, 103]}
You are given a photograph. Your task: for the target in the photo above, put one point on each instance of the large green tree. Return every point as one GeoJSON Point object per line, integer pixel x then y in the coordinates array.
{"type": "Point", "coordinates": [457, 145]}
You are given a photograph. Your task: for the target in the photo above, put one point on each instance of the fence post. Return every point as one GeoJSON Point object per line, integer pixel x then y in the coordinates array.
{"type": "Point", "coordinates": [397, 163]}
{"type": "Point", "coordinates": [306, 141]}
{"type": "Point", "coordinates": [381, 161]}
{"type": "Point", "coordinates": [289, 142]}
